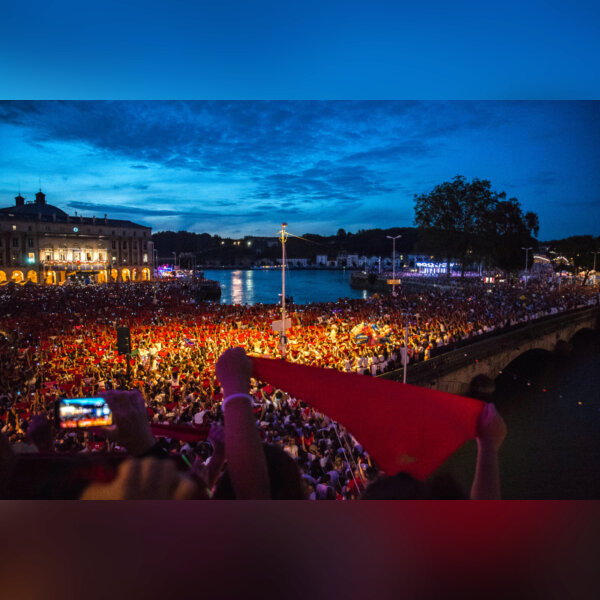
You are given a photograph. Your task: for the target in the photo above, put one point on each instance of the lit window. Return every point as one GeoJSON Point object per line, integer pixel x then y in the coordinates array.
{"type": "Point", "coordinates": [14, 227]}
{"type": "Point", "coordinates": [31, 257]}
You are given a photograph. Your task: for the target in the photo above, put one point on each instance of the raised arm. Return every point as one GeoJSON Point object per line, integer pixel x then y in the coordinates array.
{"type": "Point", "coordinates": [491, 431]}
{"type": "Point", "coordinates": [246, 462]}
{"type": "Point", "coordinates": [216, 438]}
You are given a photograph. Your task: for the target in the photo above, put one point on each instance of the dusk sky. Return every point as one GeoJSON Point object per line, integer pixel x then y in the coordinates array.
{"type": "Point", "coordinates": [241, 168]}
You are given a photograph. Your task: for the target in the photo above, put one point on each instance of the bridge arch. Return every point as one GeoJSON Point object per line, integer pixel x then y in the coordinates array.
{"type": "Point", "coordinates": [486, 374]}
{"type": "Point", "coordinates": [533, 355]}
{"type": "Point", "coordinates": [582, 333]}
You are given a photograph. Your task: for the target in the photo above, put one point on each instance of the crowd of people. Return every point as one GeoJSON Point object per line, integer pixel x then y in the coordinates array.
{"type": "Point", "coordinates": [61, 342]}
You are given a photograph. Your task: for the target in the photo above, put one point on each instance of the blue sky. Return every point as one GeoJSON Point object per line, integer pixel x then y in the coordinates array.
{"type": "Point", "coordinates": [314, 49]}
{"type": "Point", "coordinates": [242, 167]}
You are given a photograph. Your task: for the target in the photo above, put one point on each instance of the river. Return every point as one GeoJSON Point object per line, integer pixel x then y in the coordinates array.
{"type": "Point", "coordinates": [263, 286]}
{"type": "Point", "coordinates": [551, 406]}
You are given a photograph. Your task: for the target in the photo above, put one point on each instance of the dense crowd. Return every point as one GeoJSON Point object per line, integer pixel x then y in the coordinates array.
{"type": "Point", "coordinates": [61, 342]}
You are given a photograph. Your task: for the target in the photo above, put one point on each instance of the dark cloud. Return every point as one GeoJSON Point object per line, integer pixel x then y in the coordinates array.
{"type": "Point", "coordinates": [122, 209]}
{"type": "Point", "coordinates": [315, 160]}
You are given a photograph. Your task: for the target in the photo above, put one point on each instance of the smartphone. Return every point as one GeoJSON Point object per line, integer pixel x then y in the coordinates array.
{"type": "Point", "coordinates": [79, 413]}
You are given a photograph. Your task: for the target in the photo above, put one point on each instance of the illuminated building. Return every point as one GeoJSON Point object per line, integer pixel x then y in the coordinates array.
{"type": "Point", "coordinates": [43, 244]}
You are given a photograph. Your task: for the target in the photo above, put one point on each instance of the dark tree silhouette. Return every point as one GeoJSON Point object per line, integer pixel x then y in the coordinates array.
{"type": "Point", "coordinates": [468, 221]}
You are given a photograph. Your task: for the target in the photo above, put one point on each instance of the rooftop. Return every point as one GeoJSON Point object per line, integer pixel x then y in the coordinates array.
{"type": "Point", "coordinates": [41, 211]}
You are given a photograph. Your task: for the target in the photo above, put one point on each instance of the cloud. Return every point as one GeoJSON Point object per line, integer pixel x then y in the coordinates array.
{"type": "Point", "coordinates": [194, 160]}
{"type": "Point", "coordinates": [97, 208]}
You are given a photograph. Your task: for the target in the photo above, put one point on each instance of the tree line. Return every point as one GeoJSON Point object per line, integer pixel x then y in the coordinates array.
{"type": "Point", "coordinates": [460, 220]}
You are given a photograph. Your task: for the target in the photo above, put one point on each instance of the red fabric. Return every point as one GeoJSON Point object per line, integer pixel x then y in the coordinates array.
{"type": "Point", "coordinates": [403, 427]}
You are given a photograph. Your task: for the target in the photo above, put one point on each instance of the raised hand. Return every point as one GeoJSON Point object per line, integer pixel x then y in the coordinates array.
{"type": "Point", "coordinates": [491, 428]}
{"type": "Point", "coordinates": [130, 420]}
{"type": "Point", "coordinates": [234, 370]}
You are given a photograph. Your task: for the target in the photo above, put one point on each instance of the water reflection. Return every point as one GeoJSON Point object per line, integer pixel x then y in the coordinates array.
{"type": "Point", "coordinates": [237, 293]}
{"type": "Point", "coordinates": [249, 287]}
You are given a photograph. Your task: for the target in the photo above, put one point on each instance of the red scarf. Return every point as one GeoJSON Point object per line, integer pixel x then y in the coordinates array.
{"type": "Point", "coordinates": [403, 427]}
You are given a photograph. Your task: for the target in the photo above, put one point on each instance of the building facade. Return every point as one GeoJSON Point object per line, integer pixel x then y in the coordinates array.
{"type": "Point", "coordinates": [43, 244]}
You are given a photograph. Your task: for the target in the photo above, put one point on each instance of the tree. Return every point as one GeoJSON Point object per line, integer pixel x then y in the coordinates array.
{"type": "Point", "coordinates": [454, 217]}
{"type": "Point", "coordinates": [509, 232]}
{"type": "Point", "coordinates": [467, 220]}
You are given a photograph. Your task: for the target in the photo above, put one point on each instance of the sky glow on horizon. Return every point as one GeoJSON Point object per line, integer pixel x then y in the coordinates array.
{"type": "Point", "coordinates": [236, 168]}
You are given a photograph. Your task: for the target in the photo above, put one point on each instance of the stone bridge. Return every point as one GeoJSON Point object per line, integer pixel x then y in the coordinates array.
{"type": "Point", "coordinates": [472, 368]}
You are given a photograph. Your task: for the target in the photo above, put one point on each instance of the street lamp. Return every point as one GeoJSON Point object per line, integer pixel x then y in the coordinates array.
{"type": "Point", "coordinates": [393, 238]}
{"type": "Point", "coordinates": [174, 260]}
{"type": "Point", "coordinates": [526, 261]}
{"type": "Point", "coordinates": [283, 339]}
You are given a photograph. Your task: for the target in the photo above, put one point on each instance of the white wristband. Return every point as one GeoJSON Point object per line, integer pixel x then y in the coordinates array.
{"type": "Point", "coordinates": [238, 395]}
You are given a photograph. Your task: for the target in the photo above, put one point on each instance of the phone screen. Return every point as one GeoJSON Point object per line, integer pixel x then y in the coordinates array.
{"type": "Point", "coordinates": [76, 413]}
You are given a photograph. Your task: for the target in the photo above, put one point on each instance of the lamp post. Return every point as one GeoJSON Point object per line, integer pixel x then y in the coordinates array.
{"type": "Point", "coordinates": [526, 261]}
{"type": "Point", "coordinates": [282, 339]}
{"type": "Point", "coordinates": [174, 260]}
{"type": "Point", "coordinates": [405, 349]}
{"type": "Point", "coordinates": [393, 238]}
